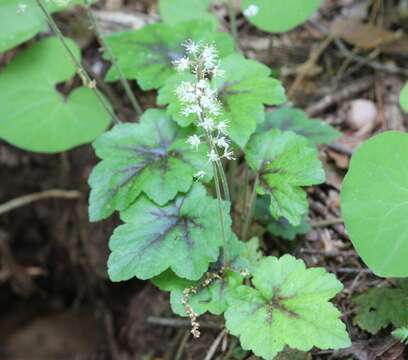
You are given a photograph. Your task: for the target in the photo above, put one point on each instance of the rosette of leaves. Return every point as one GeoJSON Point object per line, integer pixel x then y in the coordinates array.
{"type": "Point", "coordinates": [296, 120]}
{"type": "Point", "coordinates": [288, 305]}
{"type": "Point", "coordinates": [183, 236]}
{"type": "Point", "coordinates": [285, 163]}
{"type": "Point", "coordinates": [243, 90]}
{"type": "Point", "coordinates": [34, 115]}
{"type": "Point", "coordinates": [377, 308]}
{"type": "Point", "coordinates": [212, 297]}
{"type": "Point", "coordinates": [147, 55]}
{"type": "Point", "coordinates": [23, 19]}
{"type": "Point", "coordinates": [278, 227]}
{"type": "Point", "coordinates": [150, 157]}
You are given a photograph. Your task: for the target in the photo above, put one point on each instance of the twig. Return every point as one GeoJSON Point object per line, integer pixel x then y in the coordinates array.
{"type": "Point", "coordinates": [215, 345]}
{"type": "Point", "coordinates": [326, 222]}
{"type": "Point", "coordinates": [27, 199]}
{"type": "Point", "coordinates": [175, 322]}
{"type": "Point", "coordinates": [339, 95]}
{"type": "Point", "coordinates": [87, 81]}
{"type": "Point", "coordinates": [182, 346]}
{"type": "Point", "coordinates": [109, 52]}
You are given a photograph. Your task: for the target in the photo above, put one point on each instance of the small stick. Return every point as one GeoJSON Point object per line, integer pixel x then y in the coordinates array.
{"type": "Point", "coordinates": [27, 199]}
{"type": "Point", "coordinates": [182, 346]}
{"type": "Point", "coordinates": [108, 49]}
{"type": "Point", "coordinates": [215, 345]}
{"type": "Point", "coordinates": [86, 79]}
{"type": "Point", "coordinates": [326, 222]}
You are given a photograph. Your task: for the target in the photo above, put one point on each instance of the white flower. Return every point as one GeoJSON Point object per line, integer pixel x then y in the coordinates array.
{"type": "Point", "coordinates": [207, 124]}
{"type": "Point", "coordinates": [191, 47]}
{"type": "Point", "coordinates": [213, 156]}
{"type": "Point", "coordinates": [199, 175]}
{"type": "Point", "coordinates": [214, 108]}
{"type": "Point", "coordinates": [186, 92]}
{"type": "Point", "coordinates": [222, 142]}
{"type": "Point", "coordinates": [222, 127]}
{"type": "Point", "coordinates": [192, 109]}
{"type": "Point", "coordinates": [182, 64]}
{"type": "Point", "coordinates": [209, 57]}
{"type": "Point", "coordinates": [194, 141]}
{"type": "Point", "coordinates": [21, 8]}
{"type": "Point", "coordinates": [228, 154]}
{"type": "Point", "coordinates": [251, 10]}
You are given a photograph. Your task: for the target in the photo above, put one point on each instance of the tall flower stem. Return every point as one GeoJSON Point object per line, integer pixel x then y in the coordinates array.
{"type": "Point", "coordinates": [94, 22]}
{"type": "Point", "coordinates": [251, 209]}
{"type": "Point", "coordinates": [86, 79]}
{"type": "Point", "coordinates": [224, 180]}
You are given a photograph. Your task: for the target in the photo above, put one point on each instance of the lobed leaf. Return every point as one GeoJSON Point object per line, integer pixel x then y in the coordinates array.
{"type": "Point", "coordinates": [379, 307]}
{"type": "Point", "coordinates": [34, 115]}
{"type": "Point", "coordinates": [285, 162]}
{"type": "Point", "coordinates": [243, 91]}
{"type": "Point", "coordinates": [183, 236]}
{"type": "Point", "coordinates": [401, 334]}
{"type": "Point", "coordinates": [147, 55]}
{"type": "Point", "coordinates": [296, 120]}
{"type": "Point", "coordinates": [374, 203]}
{"type": "Point", "coordinates": [278, 16]}
{"type": "Point", "coordinates": [288, 306]}
{"type": "Point", "coordinates": [151, 157]}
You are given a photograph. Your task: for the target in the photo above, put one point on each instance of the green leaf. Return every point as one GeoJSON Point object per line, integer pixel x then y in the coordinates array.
{"type": "Point", "coordinates": [404, 97]}
{"type": "Point", "coordinates": [296, 120]}
{"type": "Point", "coordinates": [379, 307]}
{"type": "Point", "coordinates": [212, 298]}
{"type": "Point", "coordinates": [374, 203]}
{"type": "Point", "coordinates": [243, 91]}
{"type": "Point", "coordinates": [147, 55]}
{"type": "Point", "coordinates": [401, 334]}
{"type": "Point", "coordinates": [34, 115]}
{"type": "Point", "coordinates": [151, 157]}
{"type": "Point", "coordinates": [191, 10]}
{"type": "Point", "coordinates": [183, 235]}
{"type": "Point", "coordinates": [285, 162]}
{"type": "Point", "coordinates": [288, 306]}
{"type": "Point", "coordinates": [280, 227]}
{"type": "Point", "coordinates": [278, 16]}
{"type": "Point", "coordinates": [18, 25]}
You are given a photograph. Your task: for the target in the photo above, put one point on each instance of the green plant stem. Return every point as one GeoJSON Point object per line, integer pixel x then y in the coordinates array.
{"type": "Point", "coordinates": [109, 52]}
{"type": "Point", "coordinates": [232, 174]}
{"type": "Point", "coordinates": [233, 21]}
{"type": "Point", "coordinates": [224, 181]}
{"type": "Point", "coordinates": [251, 208]}
{"type": "Point", "coordinates": [86, 79]}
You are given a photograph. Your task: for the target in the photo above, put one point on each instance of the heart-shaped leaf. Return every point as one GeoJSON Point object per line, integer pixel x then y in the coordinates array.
{"type": "Point", "coordinates": [296, 120]}
{"type": "Point", "coordinates": [288, 306]}
{"type": "Point", "coordinates": [285, 162]}
{"type": "Point", "coordinates": [147, 55]}
{"type": "Point", "coordinates": [151, 157]}
{"type": "Point", "coordinates": [374, 203]}
{"type": "Point", "coordinates": [22, 19]}
{"type": "Point", "coordinates": [278, 16]}
{"type": "Point", "coordinates": [183, 235]}
{"type": "Point", "coordinates": [192, 10]}
{"type": "Point", "coordinates": [34, 115]}
{"type": "Point", "coordinates": [243, 91]}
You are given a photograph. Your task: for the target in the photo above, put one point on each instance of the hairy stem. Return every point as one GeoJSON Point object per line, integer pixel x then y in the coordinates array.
{"type": "Point", "coordinates": [233, 20]}
{"type": "Point", "coordinates": [251, 208]}
{"type": "Point", "coordinates": [109, 52]}
{"type": "Point", "coordinates": [224, 181]}
{"type": "Point", "coordinates": [86, 79]}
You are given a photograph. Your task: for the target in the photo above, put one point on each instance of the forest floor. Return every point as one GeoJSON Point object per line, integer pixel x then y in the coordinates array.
{"type": "Point", "coordinates": [56, 301]}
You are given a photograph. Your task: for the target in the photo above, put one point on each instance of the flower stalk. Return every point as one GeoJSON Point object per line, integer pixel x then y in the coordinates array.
{"type": "Point", "coordinates": [82, 73]}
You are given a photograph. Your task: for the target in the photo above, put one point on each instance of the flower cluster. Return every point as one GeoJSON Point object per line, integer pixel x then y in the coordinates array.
{"type": "Point", "coordinates": [198, 98]}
